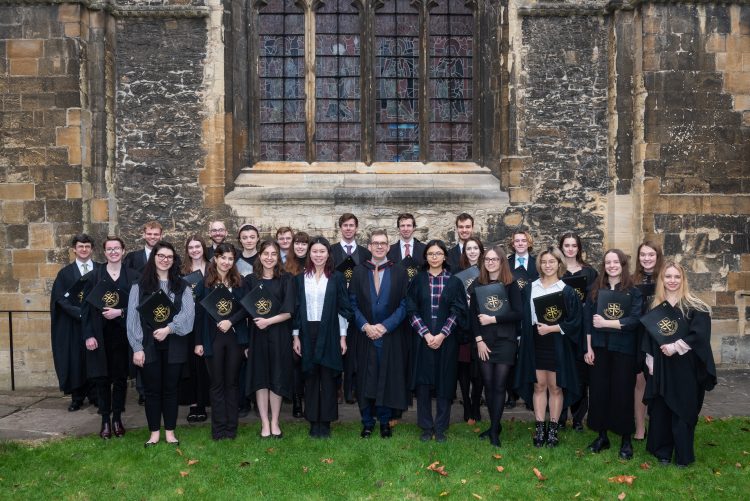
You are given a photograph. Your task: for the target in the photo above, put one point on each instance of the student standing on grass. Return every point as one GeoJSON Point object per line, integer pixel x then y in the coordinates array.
{"type": "Point", "coordinates": [546, 360]}
{"type": "Point", "coordinates": [612, 350]}
{"type": "Point", "coordinates": [680, 372]}
{"type": "Point", "coordinates": [160, 353]}
{"type": "Point", "coordinates": [321, 322]}
{"type": "Point", "coordinates": [436, 305]}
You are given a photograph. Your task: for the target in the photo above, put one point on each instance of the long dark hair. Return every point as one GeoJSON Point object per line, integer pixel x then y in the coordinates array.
{"type": "Point", "coordinates": [506, 276]}
{"type": "Point", "coordinates": [187, 263]}
{"type": "Point", "coordinates": [441, 245]}
{"type": "Point", "coordinates": [234, 278]}
{"type": "Point", "coordinates": [602, 281]}
{"type": "Point", "coordinates": [258, 270]}
{"type": "Point", "coordinates": [149, 282]}
{"type": "Point", "coordinates": [577, 238]}
{"type": "Point", "coordinates": [310, 267]}
{"type": "Point", "coordinates": [463, 262]}
{"type": "Point", "coordinates": [293, 264]}
{"type": "Point", "coordinates": [639, 273]}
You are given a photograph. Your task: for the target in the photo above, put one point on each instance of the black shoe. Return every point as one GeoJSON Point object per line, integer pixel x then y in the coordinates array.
{"type": "Point", "coordinates": [577, 426]}
{"type": "Point", "coordinates": [598, 445]}
{"type": "Point", "coordinates": [440, 437]}
{"type": "Point", "coordinates": [324, 430]}
{"type": "Point", "coordinates": [494, 434]}
{"type": "Point", "coordinates": [485, 434]}
{"type": "Point", "coordinates": [279, 436]}
{"type": "Point", "coordinates": [243, 412]}
{"type": "Point", "coordinates": [297, 406]}
{"type": "Point", "coordinates": [386, 431]}
{"type": "Point", "coordinates": [510, 404]}
{"type": "Point", "coordinates": [366, 432]}
{"type": "Point", "coordinates": [626, 450]}
{"type": "Point", "coordinates": [665, 461]}
{"type": "Point", "coordinates": [192, 416]}
{"type": "Point", "coordinates": [141, 400]}
{"type": "Point", "coordinates": [106, 431]}
{"type": "Point", "coordinates": [117, 428]}
{"type": "Point", "coordinates": [201, 414]}
{"type": "Point", "coordinates": [540, 434]}
{"type": "Point", "coordinates": [314, 430]}
{"type": "Point", "coordinates": [150, 444]}
{"type": "Point", "coordinates": [75, 405]}
{"type": "Point", "coordinates": [552, 437]}
{"type": "Point", "coordinates": [562, 426]}
{"type": "Point", "coordinates": [426, 436]}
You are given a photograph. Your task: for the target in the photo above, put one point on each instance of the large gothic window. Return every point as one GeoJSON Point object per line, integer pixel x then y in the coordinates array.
{"type": "Point", "coordinates": [364, 80]}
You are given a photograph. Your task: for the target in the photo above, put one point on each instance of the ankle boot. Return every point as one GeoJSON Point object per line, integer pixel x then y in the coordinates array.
{"type": "Point", "coordinates": [552, 438]}
{"type": "Point", "coordinates": [297, 406]}
{"type": "Point", "coordinates": [540, 434]}
{"type": "Point", "coordinates": [495, 429]}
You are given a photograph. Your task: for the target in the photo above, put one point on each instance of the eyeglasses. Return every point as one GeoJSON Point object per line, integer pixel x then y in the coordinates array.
{"type": "Point", "coordinates": [435, 254]}
{"type": "Point", "coordinates": [492, 260]}
{"type": "Point", "coordinates": [112, 250]}
{"type": "Point", "coordinates": [218, 230]}
{"type": "Point", "coordinates": [164, 257]}
{"type": "Point", "coordinates": [379, 244]}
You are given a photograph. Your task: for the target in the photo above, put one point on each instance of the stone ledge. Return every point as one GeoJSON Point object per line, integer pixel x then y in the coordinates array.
{"type": "Point", "coordinates": [117, 10]}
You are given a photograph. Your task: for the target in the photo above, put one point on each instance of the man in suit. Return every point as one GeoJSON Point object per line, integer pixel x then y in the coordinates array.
{"type": "Point", "coordinates": [378, 296]}
{"type": "Point", "coordinates": [348, 225]}
{"type": "Point", "coordinates": [284, 237]}
{"type": "Point", "coordinates": [523, 266]}
{"type": "Point", "coordinates": [68, 350]}
{"type": "Point", "coordinates": [217, 233]}
{"type": "Point", "coordinates": [407, 245]}
{"type": "Point", "coordinates": [464, 230]}
{"type": "Point", "coordinates": [136, 260]}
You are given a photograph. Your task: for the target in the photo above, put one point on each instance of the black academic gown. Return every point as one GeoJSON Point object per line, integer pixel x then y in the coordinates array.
{"type": "Point", "coordinates": [501, 337]}
{"type": "Point", "coordinates": [270, 351]}
{"type": "Point", "coordinates": [386, 386]}
{"type": "Point", "coordinates": [565, 349]}
{"type": "Point", "coordinates": [206, 330]}
{"type": "Point", "coordinates": [135, 260]}
{"type": "Point", "coordinates": [96, 326]}
{"type": "Point", "coordinates": [417, 253]}
{"type": "Point", "coordinates": [454, 258]}
{"type": "Point", "coordinates": [682, 380]}
{"type": "Point", "coordinates": [437, 368]}
{"type": "Point", "coordinates": [327, 349]}
{"type": "Point", "coordinates": [68, 349]}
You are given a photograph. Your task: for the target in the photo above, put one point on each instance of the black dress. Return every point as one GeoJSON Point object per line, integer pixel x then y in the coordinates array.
{"type": "Point", "coordinates": [193, 389]}
{"type": "Point", "coordinates": [500, 338]}
{"type": "Point", "coordinates": [270, 351]}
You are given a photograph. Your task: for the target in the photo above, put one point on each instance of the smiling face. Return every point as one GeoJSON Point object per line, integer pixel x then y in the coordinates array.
{"type": "Point", "coordinates": [318, 255]}
{"type": "Point", "coordinates": [249, 240]}
{"type": "Point", "coordinates": [151, 236]}
{"type": "Point", "coordinates": [113, 251]}
{"type": "Point", "coordinates": [472, 252]}
{"type": "Point", "coordinates": [378, 247]}
{"type": "Point", "coordinates": [269, 257]}
{"type": "Point", "coordinates": [647, 258]}
{"type": "Point", "coordinates": [465, 229]}
{"type": "Point", "coordinates": [195, 249]}
{"type": "Point", "coordinates": [82, 251]}
{"type": "Point", "coordinates": [224, 262]}
{"type": "Point", "coordinates": [520, 244]}
{"type": "Point", "coordinates": [612, 265]}
{"type": "Point", "coordinates": [549, 265]}
{"type": "Point", "coordinates": [491, 261]}
{"type": "Point", "coordinates": [435, 257]}
{"type": "Point", "coordinates": [218, 232]}
{"type": "Point", "coordinates": [164, 259]}
{"type": "Point", "coordinates": [672, 279]}
{"type": "Point", "coordinates": [348, 230]}
{"type": "Point", "coordinates": [406, 229]}
{"type": "Point", "coordinates": [570, 248]}
{"type": "Point", "coordinates": [285, 241]}
{"type": "Point", "coordinates": [300, 249]}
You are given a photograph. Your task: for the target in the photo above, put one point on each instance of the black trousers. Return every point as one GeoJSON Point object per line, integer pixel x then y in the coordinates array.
{"type": "Point", "coordinates": [611, 386]}
{"type": "Point", "coordinates": [224, 372]}
{"type": "Point", "coordinates": [112, 390]}
{"type": "Point", "coordinates": [321, 387]}
{"type": "Point", "coordinates": [160, 380]}
{"type": "Point", "coordinates": [668, 434]}
{"type": "Point", "coordinates": [88, 390]}
{"type": "Point", "coordinates": [424, 411]}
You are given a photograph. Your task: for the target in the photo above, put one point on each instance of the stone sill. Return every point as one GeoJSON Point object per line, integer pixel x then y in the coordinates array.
{"type": "Point", "coordinates": [361, 168]}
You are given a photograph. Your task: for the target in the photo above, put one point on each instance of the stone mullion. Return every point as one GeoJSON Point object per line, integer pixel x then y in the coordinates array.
{"type": "Point", "coordinates": [424, 79]}
{"type": "Point", "coordinates": [477, 102]}
{"type": "Point", "coordinates": [253, 83]}
{"type": "Point", "coordinates": [308, 6]}
{"type": "Point", "coordinates": [366, 80]}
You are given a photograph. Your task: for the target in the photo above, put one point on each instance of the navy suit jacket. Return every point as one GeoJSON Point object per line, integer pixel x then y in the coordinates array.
{"type": "Point", "coordinates": [417, 252]}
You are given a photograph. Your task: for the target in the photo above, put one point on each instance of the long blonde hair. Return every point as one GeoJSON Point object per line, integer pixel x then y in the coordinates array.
{"type": "Point", "coordinates": [687, 300]}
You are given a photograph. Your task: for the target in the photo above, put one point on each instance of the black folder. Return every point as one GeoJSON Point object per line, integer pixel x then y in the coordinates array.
{"type": "Point", "coordinates": [612, 305]}
{"type": "Point", "coordinates": [74, 295]}
{"type": "Point", "coordinates": [578, 283]}
{"type": "Point", "coordinates": [411, 267]}
{"type": "Point", "coordinates": [193, 279]}
{"type": "Point", "coordinates": [648, 291]}
{"type": "Point", "coordinates": [521, 276]}
{"type": "Point", "coordinates": [550, 308]}
{"type": "Point", "coordinates": [665, 324]}
{"type": "Point", "coordinates": [492, 299]}
{"type": "Point", "coordinates": [468, 276]}
{"type": "Point", "coordinates": [157, 310]}
{"type": "Point", "coordinates": [261, 303]}
{"type": "Point", "coordinates": [347, 268]}
{"type": "Point", "coordinates": [220, 303]}
{"type": "Point", "coordinates": [107, 295]}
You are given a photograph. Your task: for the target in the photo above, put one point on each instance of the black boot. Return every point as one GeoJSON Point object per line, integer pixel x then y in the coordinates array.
{"type": "Point", "coordinates": [495, 429]}
{"type": "Point", "coordinates": [552, 438]}
{"type": "Point", "coordinates": [297, 406]}
{"type": "Point", "coordinates": [540, 434]}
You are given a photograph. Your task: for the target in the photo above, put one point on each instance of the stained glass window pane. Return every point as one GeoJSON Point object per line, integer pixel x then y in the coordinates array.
{"type": "Point", "coordinates": [281, 67]}
{"type": "Point", "coordinates": [337, 84]}
{"type": "Point", "coordinates": [450, 88]}
{"type": "Point", "coordinates": [396, 82]}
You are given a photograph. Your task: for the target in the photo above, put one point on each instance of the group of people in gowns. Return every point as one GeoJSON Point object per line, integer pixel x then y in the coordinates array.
{"type": "Point", "coordinates": [381, 325]}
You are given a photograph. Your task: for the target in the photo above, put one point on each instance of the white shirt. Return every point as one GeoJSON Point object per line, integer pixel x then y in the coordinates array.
{"type": "Point", "coordinates": [525, 261]}
{"type": "Point", "coordinates": [403, 248]}
{"type": "Point", "coordinates": [538, 290]}
{"type": "Point", "coordinates": [148, 252]}
{"type": "Point", "coordinates": [315, 294]}
{"type": "Point", "coordinates": [89, 264]}
{"type": "Point", "coordinates": [344, 244]}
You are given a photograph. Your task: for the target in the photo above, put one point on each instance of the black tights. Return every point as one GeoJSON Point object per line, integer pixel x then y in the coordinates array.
{"type": "Point", "coordinates": [495, 377]}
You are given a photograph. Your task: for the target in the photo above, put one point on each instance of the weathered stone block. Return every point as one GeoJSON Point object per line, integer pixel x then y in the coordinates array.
{"type": "Point", "coordinates": [25, 271]}
{"type": "Point", "coordinates": [26, 256]}
{"type": "Point", "coordinates": [16, 191]}
{"type": "Point", "coordinates": [24, 67]}
{"type": "Point", "coordinates": [99, 210]}
{"type": "Point", "coordinates": [41, 236]}
{"type": "Point", "coordinates": [24, 48]}
{"type": "Point", "coordinates": [72, 190]}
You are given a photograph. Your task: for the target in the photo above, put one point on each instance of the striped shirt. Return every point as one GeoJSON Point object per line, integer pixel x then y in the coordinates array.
{"type": "Point", "coordinates": [436, 283]}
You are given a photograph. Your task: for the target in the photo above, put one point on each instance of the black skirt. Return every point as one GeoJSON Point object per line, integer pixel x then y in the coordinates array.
{"type": "Point", "coordinates": [544, 351]}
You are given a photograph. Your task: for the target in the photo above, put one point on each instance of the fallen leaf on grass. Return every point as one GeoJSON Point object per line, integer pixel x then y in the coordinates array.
{"type": "Point", "coordinates": [539, 475]}
{"type": "Point", "coordinates": [463, 481]}
{"type": "Point", "coordinates": [392, 423]}
{"type": "Point", "coordinates": [623, 479]}
{"type": "Point", "coordinates": [500, 469]}
{"type": "Point", "coordinates": [621, 496]}
{"type": "Point", "coordinates": [476, 495]}
{"type": "Point", "coordinates": [708, 419]}
{"type": "Point", "coordinates": [577, 494]}
{"type": "Point", "coordinates": [191, 462]}
{"type": "Point", "coordinates": [178, 451]}
{"type": "Point", "coordinates": [745, 453]}
{"type": "Point", "coordinates": [184, 473]}
{"type": "Point", "coordinates": [471, 422]}
{"type": "Point", "coordinates": [438, 468]}
{"type": "Point", "coordinates": [711, 444]}
{"type": "Point", "coordinates": [716, 472]}
{"type": "Point", "coordinates": [477, 430]}
{"type": "Point", "coordinates": [497, 456]}
{"type": "Point", "coordinates": [443, 494]}
{"type": "Point", "coordinates": [270, 450]}
{"type": "Point", "coordinates": [645, 466]}
{"type": "Point", "coordinates": [738, 465]}
{"type": "Point", "coordinates": [326, 460]}
{"type": "Point", "coordinates": [180, 491]}
{"type": "Point", "coordinates": [305, 469]}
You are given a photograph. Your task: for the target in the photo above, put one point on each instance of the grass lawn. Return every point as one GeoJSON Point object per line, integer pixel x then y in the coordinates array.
{"type": "Point", "coordinates": [347, 467]}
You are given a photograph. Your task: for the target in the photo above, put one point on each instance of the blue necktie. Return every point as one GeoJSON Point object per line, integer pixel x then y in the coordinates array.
{"type": "Point", "coordinates": [522, 262]}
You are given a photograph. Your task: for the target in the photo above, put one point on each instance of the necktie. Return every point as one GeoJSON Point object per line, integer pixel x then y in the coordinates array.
{"type": "Point", "coordinates": [85, 268]}
{"type": "Point", "coordinates": [377, 280]}
{"type": "Point", "coordinates": [522, 262]}
{"type": "Point", "coordinates": [348, 250]}
{"type": "Point", "coordinates": [406, 250]}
